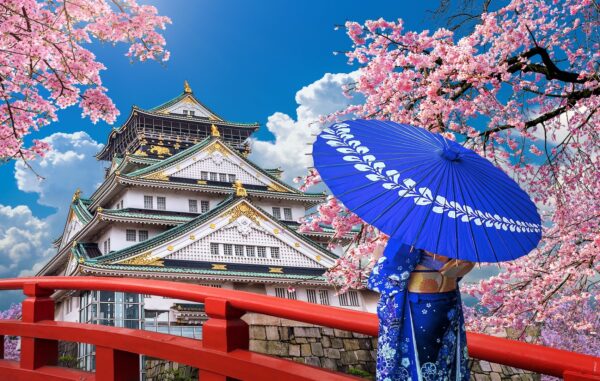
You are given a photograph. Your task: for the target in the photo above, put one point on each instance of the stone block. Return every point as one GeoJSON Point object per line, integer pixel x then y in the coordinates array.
{"type": "Point", "coordinates": [351, 344]}
{"type": "Point", "coordinates": [316, 349]}
{"type": "Point", "coordinates": [326, 342]}
{"type": "Point", "coordinates": [349, 358]}
{"type": "Point", "coordinates": [364, 344]}
{"type": "Point", "coordinates": [364, 355]}
{"type": "Point", "coordinates": [312, 360]}
{"type": "Point", "coordinates": [294, 350]}
{"type": "Point", "coordinates": [307, 332]}
{"type": "Point", "coordinates": [259, 346]}
{"type": "Point", "coordinates": [305, 350]}
{"type": "Point", "coordinates": [277, 348]}
{"type": "Point", "coordinates": [374, 342]}
{"type": "Point", "coordinates": [496, 367]}
{"type": "Point", "coordinates": [359, 335]}
{"type": "Point", "coordinates": [252, 318]}
{"type": "Point", "coordinates": [299, 359]}
{"type": "Point", "coordinates": [329, 363]}
{"type": "Point", "coordinates": [485, 366]}
{"type": "Point", "coordinates": [284, 333]}
{"type": "Point", "coordinates": [272, 333]}
{"type": "Point", "coordinates": [300, 340]}
{"type": "Point", "coordinates": [340, 333]}
{"type": "Point", "coordinates": [258, 332]}
{"type": "Point", "coordinates": [495, 376]}
{"type": "Point", "coordinates": [337, 343]}
{"type": "Point", "coordinates": [482, 377]}
{"type": "Point", "coordinates": [327, 331]}
{"type": "Point", "coordinates": [332, 353]}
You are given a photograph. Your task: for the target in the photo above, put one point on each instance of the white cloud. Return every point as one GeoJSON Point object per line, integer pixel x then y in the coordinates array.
{"type": "Point", "coordinates": [70, 165]}
{"type": "Point", "coordinates": [290, 146]}
{"type": "Point", "coordinates": [25, 239]}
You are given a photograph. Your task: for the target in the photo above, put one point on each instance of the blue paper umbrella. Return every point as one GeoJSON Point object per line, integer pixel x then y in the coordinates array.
{"type": "Point", "coordinates": [426, 190]}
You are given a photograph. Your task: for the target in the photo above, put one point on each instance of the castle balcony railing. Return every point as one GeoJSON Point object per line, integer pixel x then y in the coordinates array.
{"type": "Point", "coordinates": [222, 354]}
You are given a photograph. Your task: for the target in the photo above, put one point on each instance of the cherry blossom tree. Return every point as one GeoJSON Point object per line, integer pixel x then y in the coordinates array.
{"type": "Point", "coordinates": [44, 65]}
{"type": "Point", "coordinates": [521, 88]}
{"type": "Point", "coordinates": [11, 350]}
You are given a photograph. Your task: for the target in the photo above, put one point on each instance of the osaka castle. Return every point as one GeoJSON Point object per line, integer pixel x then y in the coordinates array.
{"type": "Point", "coordinates": [181, 201]}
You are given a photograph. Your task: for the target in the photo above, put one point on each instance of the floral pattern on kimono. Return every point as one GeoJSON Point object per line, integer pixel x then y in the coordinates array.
{"type": "Point", "coordinates": [402, 314]}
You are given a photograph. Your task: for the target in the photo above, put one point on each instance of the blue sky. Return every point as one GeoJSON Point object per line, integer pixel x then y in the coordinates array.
{"type": "Point", "coordinates": [266, 61]}
{"type": "Point", "coordinates": [245, 60]}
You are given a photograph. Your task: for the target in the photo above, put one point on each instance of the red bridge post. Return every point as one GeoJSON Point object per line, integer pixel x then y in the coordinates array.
{"type": "Point", "coordinates": [115, 365]}
{"type": "Point", "coordinates": [224, 331]}
{"type": "Point", "coordinates": [37, 306]}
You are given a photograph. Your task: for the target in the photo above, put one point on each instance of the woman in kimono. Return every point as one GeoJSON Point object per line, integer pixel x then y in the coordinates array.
{"type": "Point", "coordinates": [421, 326]}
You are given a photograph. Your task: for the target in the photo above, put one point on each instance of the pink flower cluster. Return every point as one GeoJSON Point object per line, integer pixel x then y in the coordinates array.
{"type": "Point", "coordinates": [45, 67]}
{"type": "Point", "coordinates": [11, 351]}
{"type": "Point", "coordinates": [522, 89]}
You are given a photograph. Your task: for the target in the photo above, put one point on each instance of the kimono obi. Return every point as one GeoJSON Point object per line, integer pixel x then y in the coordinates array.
{"type": "Point", "coordinates": [403, 267]}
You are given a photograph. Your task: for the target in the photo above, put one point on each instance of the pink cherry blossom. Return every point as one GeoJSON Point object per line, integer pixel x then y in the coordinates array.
{"type": "Point", "coordinates": [44, 65]}
{"type": "Point", "coordinates": [522, 89]}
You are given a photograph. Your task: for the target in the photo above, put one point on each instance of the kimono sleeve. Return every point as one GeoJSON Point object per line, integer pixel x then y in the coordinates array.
{"type": "Point", "coordinates": [391, 272]}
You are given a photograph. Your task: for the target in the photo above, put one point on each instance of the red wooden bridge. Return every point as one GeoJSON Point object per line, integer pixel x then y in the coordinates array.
{"type": "Point", "coordinates": [223, 352]}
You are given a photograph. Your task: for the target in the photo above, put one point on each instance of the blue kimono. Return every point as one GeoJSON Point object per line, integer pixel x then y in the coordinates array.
{"type": "Point", "coordinates": [421, 335]}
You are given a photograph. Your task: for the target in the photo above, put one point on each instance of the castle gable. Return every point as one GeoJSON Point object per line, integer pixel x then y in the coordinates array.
{"type": "Point", "coordinates": [214, 161]}
{"type": "Point", "coordinates": [239, 233]}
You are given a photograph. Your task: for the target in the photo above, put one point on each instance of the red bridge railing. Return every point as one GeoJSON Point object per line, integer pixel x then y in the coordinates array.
{"type": "Point", "coordinates": [223, 353]}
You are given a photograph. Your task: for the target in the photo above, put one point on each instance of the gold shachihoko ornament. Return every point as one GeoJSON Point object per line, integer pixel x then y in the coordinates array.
{"type": "Point", "coordinates": [240, 191]}
{"type": "Point", "coordinates": [214, 131]}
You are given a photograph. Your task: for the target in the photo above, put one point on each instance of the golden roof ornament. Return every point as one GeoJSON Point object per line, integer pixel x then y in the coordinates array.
{"type": "Point", "coordinates": [76, 195]}
{"type": "Point", "coordinates": [214, 131]}
{"type": "Point", "coordinates": [240, 191]}
{"type": "Point", "coordinates": [186, 87]}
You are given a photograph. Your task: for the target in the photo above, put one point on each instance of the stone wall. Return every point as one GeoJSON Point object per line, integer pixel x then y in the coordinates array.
{"type": "Point", "coordinates": [324, 347]}
{"type": "Point", "coordinates": [161, 370]}
{"type": "Point", "coordinates": [314, 345]}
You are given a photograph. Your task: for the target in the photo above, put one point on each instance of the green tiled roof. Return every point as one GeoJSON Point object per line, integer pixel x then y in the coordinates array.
{"type": "Point", "coordinates": [80, 207]}
{"type": "Point", "coordinates": [201, 271]}
{"type": "Point", "coordinates": [128, 213]}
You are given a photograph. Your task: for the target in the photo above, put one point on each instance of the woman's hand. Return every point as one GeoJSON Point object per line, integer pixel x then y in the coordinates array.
{"type": "Point", "coordinates": [380, 246]}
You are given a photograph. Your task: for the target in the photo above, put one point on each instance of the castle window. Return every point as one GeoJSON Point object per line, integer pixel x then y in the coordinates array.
{"type": "Point", "coordinates": [324, 297]}
{"type": "Point", "coordinates": [142, 235]}
{"type": "Point", "coordinates": [227, 249]}
{"type": "Point", "coordinates": [311, 295]}
{"type": "Point", "coordinates": [277, 212]}
{"type": "Point", "coordinates": [275, 252]}
{"type": "Point", "coordinates": [203, 175]}
{"type": "Point", "coordinates": [287, 214]}
{"type": "Point", "coordinates": [280, 292]}
{"type": "Point", "coordinates": [192, 113]}
{"type": "Point", "coordinates": [148, 202]}
{"type": "Point", "coordinates": [239, 250]}
{"type": "Point", "coordinates": [204, 206]}
{"type": "Point", "coordinates": [193, 206]}
{"type": "Point", "coordinates": [261, 251]}
{"type": "Point", "coordinates": [250, 252]}
{"type": "Point", "coordinates": [231, 178]}
{"type": "Point", "coordinates": [349, 298]}
{"type": "Point", "coordinates": [214, 248]}
{"type": "Point", "coordinates": [130, 235]}
{"type": "Point", "coordinates": [213, 176]}
{"type": "Point", "coordinates": [185, 112]}
{"type": "Point", "coordinates": [161, 203]}
{"type": "Point", "coordinates": [223, 177]}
